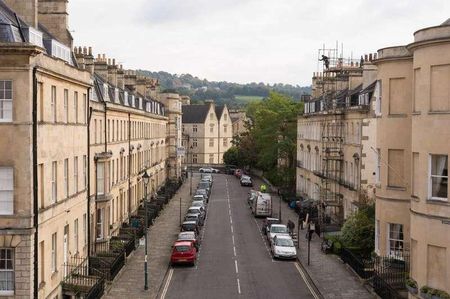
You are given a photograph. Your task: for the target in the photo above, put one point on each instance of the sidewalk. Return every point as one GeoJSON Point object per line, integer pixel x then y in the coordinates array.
{"type": "Point", "coordinates": [130, 281]}
{"type": "Point", "coordinates": [330, 275]}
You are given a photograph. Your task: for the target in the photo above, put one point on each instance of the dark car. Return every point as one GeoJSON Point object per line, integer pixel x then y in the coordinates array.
{"type": "Point", "coordinates": [194, 217]}
{"type": "Point", "coordinates": [230, 169]}
{"type": "Point", "coordinates": [204, 185]}
{"type": "Point", "coordinates": [267, 223]}
{"type": "Point", "coordinates": [190, 226]}
{"type": "Point", "coordinates": [246, 181]}
{"type": "Point", "coordinates": [203, 192]}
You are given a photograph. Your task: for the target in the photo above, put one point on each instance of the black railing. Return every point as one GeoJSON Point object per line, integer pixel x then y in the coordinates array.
{"type": "Point", "coordinates": [364, 267]}
{"type": "Point", "coordinates": [390, 274]}
{"type": "Point", "coordinates": [386, 291]}
{"type": "Point", "coordinates": [81, 279]}
{"type": "Point", "coordinates": [109, 265]}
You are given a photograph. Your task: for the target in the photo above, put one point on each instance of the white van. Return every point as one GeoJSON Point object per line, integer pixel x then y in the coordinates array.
{"type": "Point", "coordinates": [262, 205]}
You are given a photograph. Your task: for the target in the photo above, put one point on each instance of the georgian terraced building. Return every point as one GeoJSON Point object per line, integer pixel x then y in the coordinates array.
{"type": "Point", "coordinates": [76, 133]}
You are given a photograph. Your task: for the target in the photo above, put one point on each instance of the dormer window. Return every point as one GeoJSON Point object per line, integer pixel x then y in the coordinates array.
{"type": "Point", "coordinates": [34, 36]}
{"type": "Point", "coordinates": [105, 92]}
{"type": "Point", "coordinates": [125, 98]}
{"type": "Point", "coordinates": [60, 51]}
{"type": "Point", "coordinates": [116, 95]}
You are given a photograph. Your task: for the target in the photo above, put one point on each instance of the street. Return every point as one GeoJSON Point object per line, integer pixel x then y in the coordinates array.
{"type": "Point", "coordinates": [234, 258]}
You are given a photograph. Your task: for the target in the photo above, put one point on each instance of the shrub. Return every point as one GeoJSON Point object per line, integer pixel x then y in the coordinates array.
{"type": "Point", "coordinates": [358, 231]}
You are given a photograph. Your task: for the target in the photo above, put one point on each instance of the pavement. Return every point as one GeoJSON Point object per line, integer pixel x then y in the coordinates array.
{"type": "Point", "coordinates": [130, 281]}
{"type": "Point", "coordinates": [330, 275]}
{"type": "Point", "coordinates": [234, 258]}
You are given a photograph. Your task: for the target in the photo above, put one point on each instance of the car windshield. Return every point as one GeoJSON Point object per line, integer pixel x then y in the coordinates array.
{"type": "Point", "coordinates": [270, 222]}
{"type": "Point", "coordinates": [278, 229]}
{"type": "Point", "coordinates": [191, 218]}
{"type": "Point", "coordinates": [204, 185]}
{"type": "Point", "coordinates": [185, 237]}
{"type": "Point", "coordinates": [188, 226]}
{"type": "Point", "coordinates": [285, 243]}
{"type": "Point", "coordinates": [197, 203]}
{"type": "Point", "coordinates": [182, 248]}
{"type": "Point", "coordinates": [194, 211]}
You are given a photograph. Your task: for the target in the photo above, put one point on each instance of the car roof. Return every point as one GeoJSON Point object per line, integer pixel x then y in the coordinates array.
{"type": "Point", "coordinates": [201, 189]}
{"type": "Point", "coordinates": [272, 219]}
{"type": "Point", "coordinates": [197, 208]}
{"type": "Point", "coordinates": [189, 222]}
{"type": "Point", "coordinates": [191, 215]}
{"type": "Point", "coordinates": [183, 243]}
{"type": "Point", "coordinates": [190, 234]}
{"type": "Point", "coordinates": [279, 225]}
{"type": "Point", "coordinates": [283, 237]}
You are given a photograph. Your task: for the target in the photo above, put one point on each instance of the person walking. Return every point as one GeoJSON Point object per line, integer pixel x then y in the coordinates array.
{"type": "Point", "coordinates": [263, 188]}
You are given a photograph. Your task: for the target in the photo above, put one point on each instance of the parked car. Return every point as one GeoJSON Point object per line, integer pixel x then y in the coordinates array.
{"type": "Point", "coordinates": [183, 252]}
{"type": "Point", "coordinates": [230, 169]}
{"type": "Point", "coordinates": [205, 170]}
{"type": "Point", "coordinates": [198, 203]}
{"type": "Point", "coordinates": [215, 170]}
{"type": "Point", "coordinates": [194, 217]}
{"type": "Point", "coordinates": [238, 173]}
{"type": "Point", "coordinates": [190, 226]}
{"type": "Point", "coordinates": [204, 185]}
{"type": "Point", "coordinates": [197, 210]}
{"type": "Point", "coordinates": [246, 181]}
{"type": "Point", "coordinates": [277, 230]}
{"type": "Point", "coordinates": [189, 236]}
{"type": "Point", "coordinates": [283, 247]}
{"type": "Point", "coordinates": [207, 176]}
{"type": "Point", "coordinates": [203, 192]}
{"type": "Point", "coordinates": [262, 205]}
{"type": "Point", "coordinates": [199, 197]}
{"type": "Point", "coordinates": [267, 223]}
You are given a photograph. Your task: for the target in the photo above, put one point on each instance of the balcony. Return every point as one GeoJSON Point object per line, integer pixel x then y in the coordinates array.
{"type": "Point", "coordinates": [82, 281]}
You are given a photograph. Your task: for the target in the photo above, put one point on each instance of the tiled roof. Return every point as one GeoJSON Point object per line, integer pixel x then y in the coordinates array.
{"type": "Point", "coordinates": [9, 27]}
{"type": "Point", "coordinates": [195, 114]}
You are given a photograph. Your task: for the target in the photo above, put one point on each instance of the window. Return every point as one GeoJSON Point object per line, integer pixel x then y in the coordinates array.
{"type": "Point", "coordinates": [99, 228]}
{"type": "Point", "coordinates": [84, 229]}
{"type": "Point", "coordinates": [211, 142]}
{"type": "Point", "coordinates": [100, 178]}
{"type": "Point", "coordinates": [84, 171]}
{"type": "Point", "coordinates": [66, 178]}
{"type": "Point", "coordinates": [395, 168]}
{"type": "Point", "coordinates": [415, 174]}
{"type": "Point", "coordinates": [378, 170]}
{"type": "Point", "coordinates": [225, 128]}
{"type": "Point", "coordinates": [194, 128]}
{"type": "Point", "coordinates": [75, 235]}
{"type": "Point", "coordinates": [6, 191]}
{"type": "Point", "coordinates": [225, 117]}
{"type": "Point", "coordinates": [377, 96]}
{"type": "Point", "coordinates": [211, 128]}
{"type": "Point", "coordinates": [438, 177]}
{"type": "Point", "coordinates": [395, 240]}
{"type": "Point", "coordinates": [42, 261]}
{"type": "Point", "coordinates": [41, 180]}
{"type": "Point", "coordinates": [84, 108]}
{"type": "Point", "coordinates": [54, 253]}
{"type": "Point", "coordinates": [66, 106]}
{"type": "Point", "coordinates": [377, 236]}
{"type": "Point", "coordinates": [211, 158]}
{"type": "Point", "coordinates": [75, 106]}
{"type": "Point", "coordinates": [194, 158]}
{"type": "Point", "coordinates": [75, 175]}
{"type": "Point", "coordinates": [5, 100]}
{"type": "Point", "coordinates": [211, 116]}
{"type": "Point", "coordinates": [439, 88]}
{"type": "Point", "coordinates": [7, 271]}
{"type": "Point", "coordinates": [53, 104]}
{"type": "Point", "coordinates": [225, 142]}
{"type": "Point", "coordinates": [54, 181]}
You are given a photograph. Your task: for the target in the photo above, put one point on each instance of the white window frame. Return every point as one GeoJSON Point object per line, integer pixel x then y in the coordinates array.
{"type": "Point", "coordinates": [5, 271]}
{"type": "Point", "coordinates": [53, 103]}
{"type": "Point", "coordinates": [431, 176]}
{"type": "Point", "coordinates": [66, 106]}
{"type": "Point", "coordinates": [6, 191]}
{"type": "Point", "coordinates": [100, 181]}
{"type": "Point", "coordinates": [6, 99]}
{"type": "Point", "coordinates": [75, 175]}
{"type": "Point", "coordinates": [395, 253]}
{"type": "Point", "coordinates": [378, 97]}
{"type": "Point", "coordinates": [54, 182]}
{"type": "Point", "coordinates": [100, 220]}
{"type": "Point", "coordinates": [84, 171]}
{"type": "Point", "coordinates": [75, 235]}
{"type": "Point", "coordinates": [54, 260]}
{"type": "Point", "coordinates": [84, 229]}
{"type": "Point", "coordinates": [66, 178]}
{"type": "Point", "coordinates": [75, 106]}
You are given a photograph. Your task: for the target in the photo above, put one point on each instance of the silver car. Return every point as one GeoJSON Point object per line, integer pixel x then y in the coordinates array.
{"type": "Point", "coordinates": [283, 247]}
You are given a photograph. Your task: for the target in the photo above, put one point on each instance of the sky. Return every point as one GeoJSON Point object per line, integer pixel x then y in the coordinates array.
{"type": "Point", "coordinates": [245, 40]}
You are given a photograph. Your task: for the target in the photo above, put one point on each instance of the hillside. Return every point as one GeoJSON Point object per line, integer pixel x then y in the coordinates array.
{"type": "Point", "coordinates": [233, 94]}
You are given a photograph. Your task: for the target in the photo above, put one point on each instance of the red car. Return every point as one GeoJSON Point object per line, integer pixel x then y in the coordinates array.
{"type": "Point", "coordinates": [238, 173]}
{"type": "Point", "coordinates": [184, 252]}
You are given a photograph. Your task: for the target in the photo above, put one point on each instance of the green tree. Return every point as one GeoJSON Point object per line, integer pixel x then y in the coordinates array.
{"type": "Point", "coordinates": [358, 231]}
{"type": "Point", "coordinates": [231, 156]}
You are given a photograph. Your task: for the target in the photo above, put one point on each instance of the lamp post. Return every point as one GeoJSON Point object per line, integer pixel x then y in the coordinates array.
{"type": "Point", "coordinates": [146, 179]}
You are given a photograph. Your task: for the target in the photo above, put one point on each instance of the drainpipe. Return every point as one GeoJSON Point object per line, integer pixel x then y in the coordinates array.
{"type": "Point", "coordinates": [88, 162]}
{"type": "Point", "coordinates": [35, 187]}
{"type": "Point", "coordinates": [106, 128]}
{"type": "Point", "coordinates": [129, 164]}
{"type": "Point", "coordinates": [218, 141]}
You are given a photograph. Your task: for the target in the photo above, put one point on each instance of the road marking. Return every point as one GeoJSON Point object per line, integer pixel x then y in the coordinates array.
{"type": "Point", "coordinates": [232, 237]}
{"type": "Point", "coordinates": [263, 239]}
{"type": "Point", "coordinates": [232, 229]}
{"type": "Point", "coordinates": [231, 220]}
{"type": "Point", "coordinates": [234, 250]}
{"type": "Point", "coordinates": [311, 289]}
{"type": "Point", "coordinates": [239, 286]}
{"type": "Point", "coordinates": [236, 266]}
{"type": "Point", "coordinates": [166, 285]}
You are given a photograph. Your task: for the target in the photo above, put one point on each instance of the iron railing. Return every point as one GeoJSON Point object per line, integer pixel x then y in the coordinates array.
{"type": "Point", "coordinates": [82, 280]}
{"type": "Point", "coordinates": [364, 267]}
{"type": "Point", "coordinates": [390, 273]}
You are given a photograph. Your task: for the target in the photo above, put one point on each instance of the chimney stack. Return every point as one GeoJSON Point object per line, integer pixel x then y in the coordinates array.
{"type": "Point", "coordinates": [53, 15]}
{"type": "Point", "coordinates": [25, 9]}
{"type": "Point", "coordinates": [101, 67]}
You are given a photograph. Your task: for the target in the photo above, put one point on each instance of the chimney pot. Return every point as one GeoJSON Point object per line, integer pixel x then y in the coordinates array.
{"type": "Point", "coordinates": [90, 51]}
{"type": "Point", "coordinates": [114, 61]}
{"type": "Point", "coordinates": [374, 55]}
{"type": "Point", "coordinates": [84, 50]}
{"type": "Point", "coordinates": [365, 58]}
{"type": "Point", "coordinates": [370, 57]}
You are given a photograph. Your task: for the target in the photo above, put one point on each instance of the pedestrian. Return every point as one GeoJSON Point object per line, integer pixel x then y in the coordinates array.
{"type": "Point", "coordinates": [291, 226]}
{"type": "Point", "coordinates": [263, 188]}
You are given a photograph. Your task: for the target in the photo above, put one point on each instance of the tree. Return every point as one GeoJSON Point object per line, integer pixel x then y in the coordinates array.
{"type": "Point", "coordinates": [231, 156]}
{"type": "Point", "coordinates": [358, 231]}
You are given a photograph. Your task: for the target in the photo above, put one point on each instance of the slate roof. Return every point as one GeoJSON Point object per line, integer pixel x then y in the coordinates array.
{"type": "Point", "coordinates": [195, 114]}
{"type": "Point", "coordinates": [9, 27]}
{"type": "Point", "coordinates": [219, 111]}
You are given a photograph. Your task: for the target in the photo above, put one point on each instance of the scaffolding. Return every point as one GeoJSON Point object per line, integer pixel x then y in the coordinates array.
{"type": "Point", "coordinates": [333, 82]}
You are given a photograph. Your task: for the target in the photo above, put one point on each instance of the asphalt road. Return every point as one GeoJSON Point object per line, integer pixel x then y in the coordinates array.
{"type": "Point", "coordinates": [234, 259]}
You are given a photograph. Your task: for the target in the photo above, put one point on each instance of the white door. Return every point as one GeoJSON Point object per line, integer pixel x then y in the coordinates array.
{"type": "Point", "coordinates": [66, 248]}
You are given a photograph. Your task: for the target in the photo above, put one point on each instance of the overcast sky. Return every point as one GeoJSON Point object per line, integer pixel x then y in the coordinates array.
{"type": "Point", "coordinates": [245, 40]}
